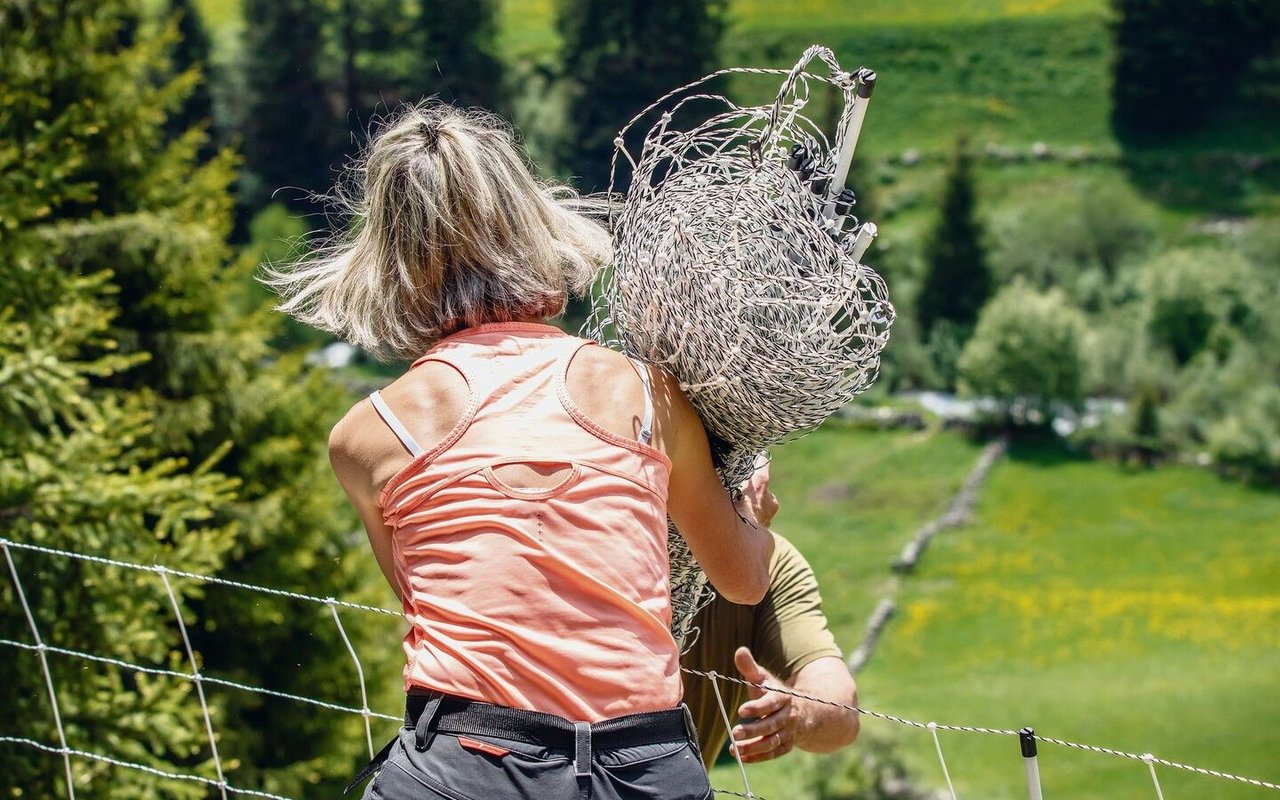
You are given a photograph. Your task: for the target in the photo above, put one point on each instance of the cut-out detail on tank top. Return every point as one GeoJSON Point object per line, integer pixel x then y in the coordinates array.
{"type": "Point", "coordinates": [422, 455]}
{"type": "Point", "coordinates": [559, 385]}
{"type": "Point", "coordinates": [558, 480]}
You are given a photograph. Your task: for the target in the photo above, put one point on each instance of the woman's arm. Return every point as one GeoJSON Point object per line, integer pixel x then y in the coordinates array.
{"type": "Point", "coordinates": [353, 465]}
{"type": "Point", "coordinates": [733, 551]}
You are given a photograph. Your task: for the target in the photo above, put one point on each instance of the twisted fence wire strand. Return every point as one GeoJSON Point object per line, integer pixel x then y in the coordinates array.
{"type": "Point", "coordinates": [210, 679]}
{"type": "Point", "coordinates": [1146, 758]}
{"type": "Point", "coordinates": [775, 325]}
{"type": "Point", "coordinates": [772, 259]}
{"type": "Point", "coordinates": [140, 767]}
{"type": "Point", "coordinates": [35, 548]}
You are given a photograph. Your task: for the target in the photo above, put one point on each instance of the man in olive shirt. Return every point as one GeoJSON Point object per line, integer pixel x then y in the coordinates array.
{"type": "Point", "coordinates": [781, 641]}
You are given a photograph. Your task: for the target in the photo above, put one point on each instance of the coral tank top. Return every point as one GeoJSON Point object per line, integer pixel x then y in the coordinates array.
{"type": "Point", "coordinates": [554, 599]}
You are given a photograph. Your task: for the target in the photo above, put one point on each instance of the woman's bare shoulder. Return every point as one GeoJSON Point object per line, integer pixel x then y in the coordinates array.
{"type": "Point", "coordinates": [600, 361]}
{"type": "Point", "coordinates": [431, 388]}
{"type": "Point", "coordinates": [353, 437]}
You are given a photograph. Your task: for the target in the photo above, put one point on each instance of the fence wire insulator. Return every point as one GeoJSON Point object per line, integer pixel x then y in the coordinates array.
{"type": "Point", "coordinates": [1030, 760]}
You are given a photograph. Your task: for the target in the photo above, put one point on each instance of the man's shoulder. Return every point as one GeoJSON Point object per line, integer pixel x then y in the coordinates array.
{"type": "Point", "coordinates": [789, 572]}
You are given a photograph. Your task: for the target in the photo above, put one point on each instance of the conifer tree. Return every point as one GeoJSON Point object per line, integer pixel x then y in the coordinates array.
{"type": "Point", "coordinates": [957, 280]}
{"type": "Point", "coordinates": [458, 46]}
{"type": "Point", "coordinates": [143, 418]}
{"type": "Point", "coordinates": [292, 134]}
{"type": "Point", "coordinates": [193, 51]}
{"type": "Point", "coordinates": [380, 56]}
{"type": "Point", "coordinates": [80, 467]}
{"type": "Point", "coordinates": [620, 55]}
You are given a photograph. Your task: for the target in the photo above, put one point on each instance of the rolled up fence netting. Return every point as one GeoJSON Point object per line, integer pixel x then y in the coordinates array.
{"type": "Point", "coordinates": [738, 269]}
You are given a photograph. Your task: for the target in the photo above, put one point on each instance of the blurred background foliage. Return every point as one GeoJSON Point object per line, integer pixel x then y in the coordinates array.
{"type": "Point", "coordinates": [1079, 202]}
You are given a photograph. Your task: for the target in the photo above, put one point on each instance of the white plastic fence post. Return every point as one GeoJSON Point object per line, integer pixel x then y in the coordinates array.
{"type": "Point", "coordinates": [1027, 738]}
{"type": "Point", "coordinates": [866, 83]}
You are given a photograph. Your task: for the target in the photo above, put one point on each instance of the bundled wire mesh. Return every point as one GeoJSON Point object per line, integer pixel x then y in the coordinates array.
{"type": "Point", "coordinates": [738, 269]}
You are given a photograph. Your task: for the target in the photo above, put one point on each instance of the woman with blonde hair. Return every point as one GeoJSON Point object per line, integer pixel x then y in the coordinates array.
{"type": "Point", "coordinates": [515, 483]}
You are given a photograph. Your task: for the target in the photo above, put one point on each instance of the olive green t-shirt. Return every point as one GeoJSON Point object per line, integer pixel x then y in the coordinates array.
{"type": "Point", "coordinates": [785, 631]}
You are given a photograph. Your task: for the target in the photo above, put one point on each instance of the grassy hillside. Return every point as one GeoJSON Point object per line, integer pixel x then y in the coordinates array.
{"type": "Point", "coordinates": [1136, 610]}
{"type": "Point", "coordinates": [850, 499]}
{"type": "Point", "coordinates": [1011, 80]}
{"type": "Point", "coordinates": [1007, 72]}
{"type": "Point", "coordinates": [528, 25]}
{"type": "Point", "coordinates": [1012, 71]}
{"type": "Point", "coordinates": [1133, 610]}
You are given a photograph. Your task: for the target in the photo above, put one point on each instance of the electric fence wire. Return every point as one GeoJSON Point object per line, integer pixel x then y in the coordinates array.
{"type": "Point", "coordinates": [42, 649]}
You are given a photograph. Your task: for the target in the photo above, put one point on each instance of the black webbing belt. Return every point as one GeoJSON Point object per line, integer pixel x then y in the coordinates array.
{"type": "Point", "coordinates": [429, 713]}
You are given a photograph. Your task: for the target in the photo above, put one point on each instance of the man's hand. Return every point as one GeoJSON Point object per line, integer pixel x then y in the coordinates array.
{"type": "Point", "coordinates": [775, 723]}
{"type": "Point", "coordinates": [757, 498]}
{"type": "Point", "coordinates": [768, 729]}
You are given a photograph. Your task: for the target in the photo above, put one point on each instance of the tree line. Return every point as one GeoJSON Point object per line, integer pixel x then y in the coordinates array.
{"type": "Point", "coordinates": [311, 76]}
{"type": "Point", "coordinates": [1081, 295]}
{"type": "Point", "coordinates": [145, 418]}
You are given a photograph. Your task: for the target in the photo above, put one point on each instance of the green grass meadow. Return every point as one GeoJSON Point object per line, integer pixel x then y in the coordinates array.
{"type": "Point", "coordinates": [850, 498]}
{"type": "Point", "coordinates": [1011, 80]}
{"type": "Point", "coordinates": [1003, 71]}
{"type": "Point", "coordinates": [1135, 610]}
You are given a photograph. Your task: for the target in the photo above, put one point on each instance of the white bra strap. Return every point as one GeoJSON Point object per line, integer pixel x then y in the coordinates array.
{"type": "Point", "coordinates": [646, 425]}
{"type": "Point", "coordinates": [394, 424]}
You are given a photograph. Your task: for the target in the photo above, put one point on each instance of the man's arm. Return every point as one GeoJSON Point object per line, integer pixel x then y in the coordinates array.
{"type": "Point", "coordinates": [781, 722]}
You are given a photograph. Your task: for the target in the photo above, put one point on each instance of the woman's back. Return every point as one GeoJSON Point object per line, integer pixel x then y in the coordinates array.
{"type": "Point", "coordinates": [529, 542]}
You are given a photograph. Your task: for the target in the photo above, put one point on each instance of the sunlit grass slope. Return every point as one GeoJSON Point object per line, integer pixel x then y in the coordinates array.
{"type": "Point", "coordinates": [851, 498]}
{"type": "Point", "coordinates": [529, 25]}
{"type": "Point", "coordinates": [1139, 611]}
{"type": "Point", "coordinates": [1013, 81]}
{"type": "Point", "coordinates": [1134, 610]}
